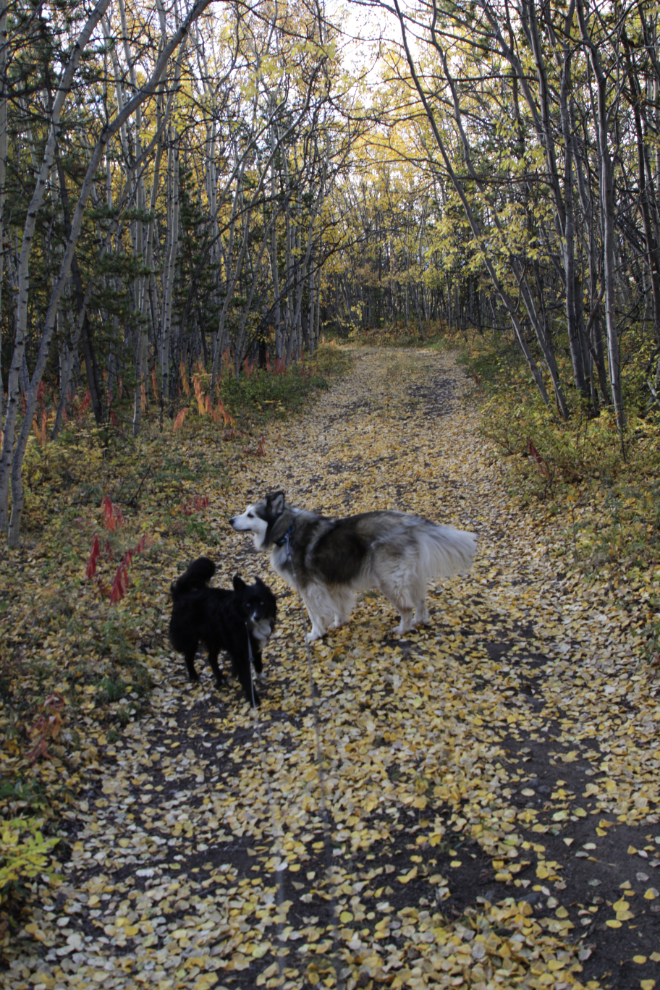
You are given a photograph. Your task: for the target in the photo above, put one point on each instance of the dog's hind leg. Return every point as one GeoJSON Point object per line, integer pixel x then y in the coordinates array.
{"type": "Point", "coordinates": [190, 663]}
{"type": "Point", "coordinates": [343, 600]}
{"type": "Point", "coordinates": [217, 673]}
{"type": "Point", "coordinates": [402, 601]}
{"type": "Point", "coordinates": [421, 611]}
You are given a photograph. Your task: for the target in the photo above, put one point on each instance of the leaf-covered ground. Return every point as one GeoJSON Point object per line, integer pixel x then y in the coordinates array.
{"type": "Point", "coordinates": [491, 781]}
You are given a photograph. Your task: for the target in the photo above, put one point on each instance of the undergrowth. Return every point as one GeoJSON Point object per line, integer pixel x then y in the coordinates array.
{"type": "Point", "coordinates": [76, 663]}
{"type": "Point", "coordinates": [603, 490]}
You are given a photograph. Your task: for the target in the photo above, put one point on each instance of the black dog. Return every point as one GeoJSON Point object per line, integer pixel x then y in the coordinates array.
{"type": "Point", "coordinates": [222, 620]}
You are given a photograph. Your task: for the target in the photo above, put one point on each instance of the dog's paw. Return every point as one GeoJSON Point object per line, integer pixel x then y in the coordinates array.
{"type": "Point", "coordinates": [315, 634]}
{"type": "Point", "coordinates": [400, 630]}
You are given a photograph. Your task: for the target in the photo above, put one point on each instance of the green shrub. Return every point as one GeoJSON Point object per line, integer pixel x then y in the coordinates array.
{"type": "Point", "coordinates": [332, 360]}
{"type": "Point", "coordinates": [24, 854]}
{"type": "Point", "coordinates": [265, 394]}
{"type": "Point", "coordinates": [603, 488]}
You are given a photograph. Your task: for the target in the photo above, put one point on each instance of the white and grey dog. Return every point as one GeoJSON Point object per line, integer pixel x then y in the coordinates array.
{"type": "Point", "coordinates": [329, 560]}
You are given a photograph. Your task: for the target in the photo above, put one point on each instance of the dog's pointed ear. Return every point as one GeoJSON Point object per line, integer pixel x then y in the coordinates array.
{"type": "Point", "coordinates": [276, 502]}
{"type": "Point", "coordinates": [259, 582]}
{"type": "Point", "coordinates": [239, 583]}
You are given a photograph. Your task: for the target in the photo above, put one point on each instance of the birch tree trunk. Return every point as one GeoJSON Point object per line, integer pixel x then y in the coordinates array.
{"type": "Point", "coordinates": [3, 167]}
{"type": "Point", "coordinates": [608, 208]}
{"type": "Point", "coordinates": [14, 465]}
{"type": "Point", "coordinates": [36, 203]}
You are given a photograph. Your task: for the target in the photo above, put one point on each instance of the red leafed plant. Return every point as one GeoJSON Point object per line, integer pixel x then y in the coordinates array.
{"type": "Point", "coordinates": [196, 505]}
{"type": "Point", "coordinates": [112, 514]}
{"type": "Point", "coordinates": [199, 394]}
{"type": "Point", "coordinates": [178, 422]}
{"type": "Point", "coordinates": [539, 461]}
{"type": "Point", "coordinates": [221, 414]}
{"type": "Point", "coordinates": [93, 557]}
{"type": "Point", "coordinates": [86, 402]}
{"type": "Point", "coordinates": [184, 378]}
{"type": "Point", "coordinates": [41, 432]}
{"type": "Point", "coordinates": [40, 418]}
{"type": "Point", "coordinates": [259, 450]}
{"type": "Point", "coordinates": [120, 583]}
{"type": "Point", "coordinates": [113, 517]}
{"type": "Point", "coordinates": [47, 727]}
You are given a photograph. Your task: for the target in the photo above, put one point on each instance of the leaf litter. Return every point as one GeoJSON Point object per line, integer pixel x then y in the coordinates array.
{"type": "Point", "coordinates": [492, 779]}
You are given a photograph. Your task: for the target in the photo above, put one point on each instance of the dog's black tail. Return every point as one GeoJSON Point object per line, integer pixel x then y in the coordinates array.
{"type": "Point", "coordinates": [197, 576]}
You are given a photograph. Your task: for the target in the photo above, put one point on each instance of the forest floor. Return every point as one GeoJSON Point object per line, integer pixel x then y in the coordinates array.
{"type": "Point", "coordinates": [492, 780]}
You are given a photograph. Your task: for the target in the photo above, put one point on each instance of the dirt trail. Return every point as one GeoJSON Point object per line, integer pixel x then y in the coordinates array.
{"type": "Point", "coordinates": [492, 779]}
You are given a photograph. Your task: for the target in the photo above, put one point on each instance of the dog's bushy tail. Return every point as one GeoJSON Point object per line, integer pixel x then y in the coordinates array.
{"type": "Point", "coordinates": [445, 551]}
{"type": "Point", "coordinates": [197, 576]}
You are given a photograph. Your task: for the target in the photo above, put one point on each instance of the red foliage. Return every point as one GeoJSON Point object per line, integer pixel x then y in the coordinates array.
{"type": "Point", "coordinates": [184, 377]}
{"type": "Point", "coordinates": [178, 422]}
{"type": "Point", "coordinates": [120, 584]}
{"type": "Point", "coordinates": [539, 461]}
{"type": "Point", "coordinates": [259, 450]}
{"type": "Point", "coordinates": [198, 503]}
{"type": "Point", "coordinates": [41, 432]}
{"type": "Point", "coordinates": [113, 517]}
{"type": "Point", "coordinates": [142, 545]}
{"type": "Point", "coordinates": [221, 414]}
{"type": "Point", "coordinates": [47, 726]}
{"type": "Point", "coordinates": [93, 557]}
{"type": "Point", "coordinates": [86, 402]}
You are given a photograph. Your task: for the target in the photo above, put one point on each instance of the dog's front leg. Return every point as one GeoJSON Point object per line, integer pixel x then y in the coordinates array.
{"type": "Point", "coordinates": [406, 624]}
{"type": "Point", "coordinates": [318, 632]}
{"type": "Point", "coordinates": [245, 677]}
{"type": "Point", "coordinates": [319, 609]}
{"type": "Point", "coordinates": [258, 667]}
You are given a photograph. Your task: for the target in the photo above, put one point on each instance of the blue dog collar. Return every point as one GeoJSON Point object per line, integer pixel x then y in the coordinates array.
{"type": "Point", "coordinates": [285, 539]}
